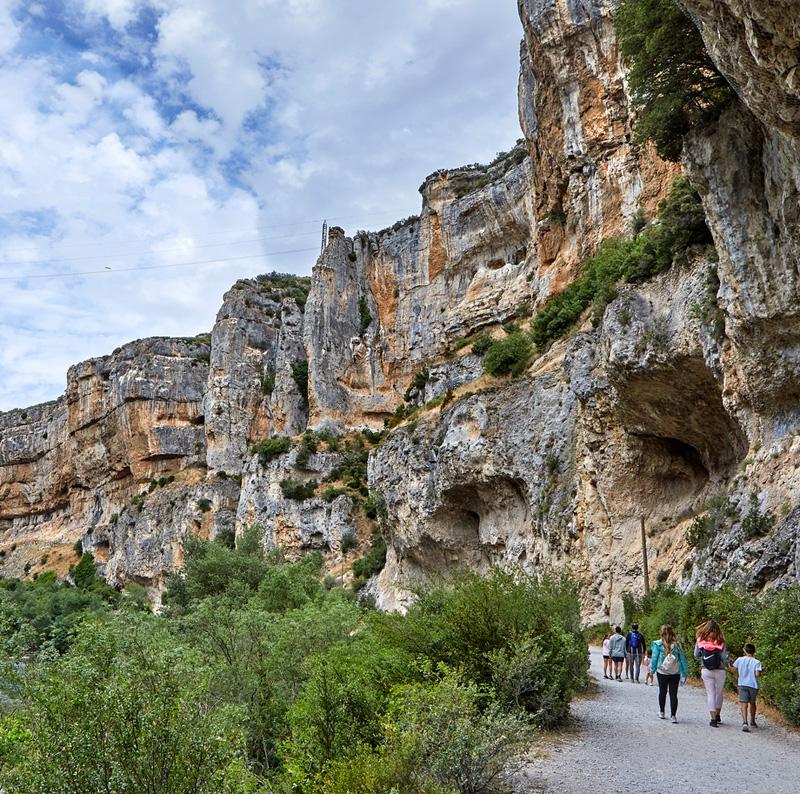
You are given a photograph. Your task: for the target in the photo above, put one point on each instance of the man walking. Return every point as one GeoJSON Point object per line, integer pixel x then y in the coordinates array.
{"type": "Point", "coordinates": [634, 650]}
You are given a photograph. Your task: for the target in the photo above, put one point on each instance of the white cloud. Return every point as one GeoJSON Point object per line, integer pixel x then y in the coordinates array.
{"type": "Point", "coordinates": [9, 30]}
{"type": "Point", "coordinates": [119, 13]}
{"type": "Point", "coordinates": [222, 132]}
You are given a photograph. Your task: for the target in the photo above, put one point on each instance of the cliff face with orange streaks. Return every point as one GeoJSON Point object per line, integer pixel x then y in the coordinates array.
{"type": "Point", "coordinates": [647, 415]}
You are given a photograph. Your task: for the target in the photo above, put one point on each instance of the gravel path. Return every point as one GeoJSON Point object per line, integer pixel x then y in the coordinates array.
{"type": "Point", "coordinates": [619, 744]}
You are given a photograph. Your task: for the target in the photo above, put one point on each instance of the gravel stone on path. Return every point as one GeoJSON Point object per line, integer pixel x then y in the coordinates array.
{"type": "Point", "coordinates": [620, 745]}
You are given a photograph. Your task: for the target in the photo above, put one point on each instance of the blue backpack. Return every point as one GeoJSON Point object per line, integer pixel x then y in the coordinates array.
{"type": "Point", "coordinates": [635, 640]}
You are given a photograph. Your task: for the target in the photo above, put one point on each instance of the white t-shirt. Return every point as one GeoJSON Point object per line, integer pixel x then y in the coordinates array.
{"type": "Point", "coordinates": [606, 652]}
{"type": "Point", "coordinates": [747, 667]}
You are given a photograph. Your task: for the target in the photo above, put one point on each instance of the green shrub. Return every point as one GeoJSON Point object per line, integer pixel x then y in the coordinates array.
{"type": "Point", "coordinates": [271, 448]}
{"type": "Point", "coordinates": [482, 626]}
{"type": "Point", "coordinates": [372, 563]}
{"type": "Point", "coordinates": [418, 383]}
{"type": "Point", "coordinates": [462, 740]}
{"type": "Point", "coordinates": [204, 505]}
{"type": "Point", "coordinates": [482, 342]}
{"type": "Point", "coordinates": [681, 226]}
{"type": "Point", "coordinates": [675, 85]}
{"type": "Point", "coordinates": [508, 356]}
{"type": "Point", "coordinates": [365, 315]}
{"type": "Point", "coordinates": [267, 379]}
{"type": "Point", "coordinates": [308, 446]}
{"type": "Point", "coordinates": [349, 542]}
{"type": "Point", "coordinates": [720, 516]}
{"type": "Point", "coordinates": [46, 612]}
{"type": "Point", "coordinates": [297, 490]}
{"type": "Point", "coordinates": [331, 493]}
{"type": "Point", "coordinates": [441, 736]}
{"type": "Point", "coordinates": [300, 377]}
{"type": "Point", "coordinates": [756, 524]}
{"type": "Point", "coordinates": [85, 572]}
{"type": "Point", "coordinates": [353, 468]}
{"type": "Point", "coordinates": [596, 633]}
{"type": "Point", "coordinates": [375, 505]}
{"type": "Point", "coordinates": [213, 569]}
{"type": "Point", "coordinates": [277, 286]}
{"type": "Point", "coordinates": [144, 698]}
{"type": "Point", "coordinates": [340, 706]}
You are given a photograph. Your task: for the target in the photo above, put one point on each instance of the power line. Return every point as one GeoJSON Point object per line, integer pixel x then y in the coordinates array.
{"type": "Point", "coordinates": [230, 230]}
{"type": "Point", "coordinates": [154, 251]}
{"type": "Point", "coordinates": [105, 271]}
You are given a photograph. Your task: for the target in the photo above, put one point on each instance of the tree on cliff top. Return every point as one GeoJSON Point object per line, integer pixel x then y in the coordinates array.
{"type": "Point", "coordinates": [674, 84]}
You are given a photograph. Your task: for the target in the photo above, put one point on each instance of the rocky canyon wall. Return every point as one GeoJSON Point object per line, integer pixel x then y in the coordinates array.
{"type": "Point", "coordinates": [686, 391]}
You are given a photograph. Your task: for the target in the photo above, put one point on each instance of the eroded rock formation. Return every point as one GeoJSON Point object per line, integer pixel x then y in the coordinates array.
{"type": "Point", "coordinates": [687, 389]}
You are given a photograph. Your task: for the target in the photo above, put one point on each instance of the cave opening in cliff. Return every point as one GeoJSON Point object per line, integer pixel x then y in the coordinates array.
{"type": "Point", "coordinates": [472, 525]}
{"type": "Point", "coordinates": [679, 437]}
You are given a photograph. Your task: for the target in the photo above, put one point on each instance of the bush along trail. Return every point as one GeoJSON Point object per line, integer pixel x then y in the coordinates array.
{"type": "Point", "coordinates": [257, 677]}
{"type": "Point", "coordinates": [619, 744]}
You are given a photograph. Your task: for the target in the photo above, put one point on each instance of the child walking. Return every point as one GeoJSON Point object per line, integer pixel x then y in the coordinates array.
{"type": "Point", "coordinates": [607, 666]}
{"type": "Point", "coordinates": [648, 660]}
{"type": "Point", "coordinates": [749, 670]}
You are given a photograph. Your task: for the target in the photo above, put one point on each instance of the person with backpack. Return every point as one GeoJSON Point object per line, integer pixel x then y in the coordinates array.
{"type": "Point", "coordinates": [616, 647]}
{"type": "Point", "coordinates": [713, 655]}
{"type": "Point", "coordinates": [634, 648]}
{"type": "Point", "coordinates": [669, 665]}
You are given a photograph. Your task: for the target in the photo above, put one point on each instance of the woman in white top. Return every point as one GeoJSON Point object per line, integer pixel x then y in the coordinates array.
{"type": "Point", "coordinates": [607, 668]}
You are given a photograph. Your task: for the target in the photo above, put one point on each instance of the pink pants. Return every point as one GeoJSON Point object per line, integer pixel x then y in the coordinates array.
{"type": "Point", "coordinates": [714, 681]}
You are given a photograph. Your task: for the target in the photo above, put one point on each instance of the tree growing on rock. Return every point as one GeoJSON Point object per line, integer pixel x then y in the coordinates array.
{"type": "Point", "coordinates": [674, 84]}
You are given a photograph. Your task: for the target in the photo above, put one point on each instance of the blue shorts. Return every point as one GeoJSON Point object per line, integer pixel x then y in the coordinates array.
{"type": "Point", "coordinates": [748, 694]}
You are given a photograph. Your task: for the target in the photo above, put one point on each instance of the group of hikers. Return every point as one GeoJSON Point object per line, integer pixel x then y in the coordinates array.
{"type": "Point", "coordinates": [666, 660]}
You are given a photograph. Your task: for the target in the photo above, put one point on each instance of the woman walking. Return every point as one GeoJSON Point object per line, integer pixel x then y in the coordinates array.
{"type": "Point", "coordinates": [616, 647]}
{"type": "Point", "coordinates": [669, 665]}
{"type": "Point", "coordinates": [710, 649]}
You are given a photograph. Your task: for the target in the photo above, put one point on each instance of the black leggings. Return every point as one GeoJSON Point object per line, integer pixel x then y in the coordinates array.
{"type": "Point", "coordinates": [668, 682]}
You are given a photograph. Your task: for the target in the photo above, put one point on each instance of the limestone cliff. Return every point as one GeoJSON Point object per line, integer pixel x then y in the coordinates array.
{"type": "Point", "coordinates": [683, 394]}
{"type": "Point", "coordinates": [589, 180]}
{"type": "Point", "coordinates": [382, 306]}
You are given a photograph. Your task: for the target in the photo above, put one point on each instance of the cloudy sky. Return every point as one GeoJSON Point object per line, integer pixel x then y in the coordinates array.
{"type": "Point", "coordinates": [142, 133]}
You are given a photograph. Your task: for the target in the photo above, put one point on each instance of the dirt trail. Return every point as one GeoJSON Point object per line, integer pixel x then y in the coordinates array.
{"type": "Point", "coordinates": [620, 745]}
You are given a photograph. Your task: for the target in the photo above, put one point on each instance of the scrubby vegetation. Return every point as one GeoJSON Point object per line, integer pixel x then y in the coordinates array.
{"type": "Point", "coordinates": [365, 315]}
{"type": "Point", "coordinates": [499, 166]}
{"type": "Point", "coordinates": [308, 446]}
{"type": "Point", "coordinates": [277, 286]}
{"type": "Point", "coordinates": [271, 448]}
{"type": "Point", "coordinates": [681, 226]}
{"type": "Point", "coordinates": [258, 676]}
{"type": "Point", "coordinates": [300, 377]}
{"type": "Point", "coordinates": [417, 385]}
{"type": "Point", "coordinates": [372, 563]}
{"type": "Point", "coordinates": [675, 85]}
{"type": "Point", "coordinates": [771, 622]}
{"type": "Point", "coordinates": [297, 490]}
{"type": "Point", "coordinates": [720, 516]}
{"type": "Point", "coordinates": [508, 355]}
{"type": "Point", "coordinates": [756, 523]}
{"type": "Point", "coordinates": [478, 343]}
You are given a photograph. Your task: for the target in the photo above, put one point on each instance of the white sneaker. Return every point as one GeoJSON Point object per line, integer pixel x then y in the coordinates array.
{"type": "Point", "coordinates": [662, 715]}
{"type": "Point", "coordinates": [674, 720]}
